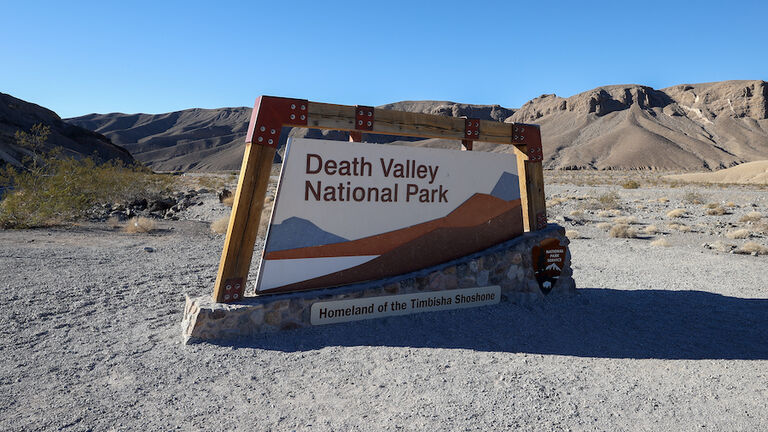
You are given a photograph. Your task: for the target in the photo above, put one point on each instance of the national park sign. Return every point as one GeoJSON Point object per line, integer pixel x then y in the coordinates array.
{"type": "Point", "coordinates": [351, 212]}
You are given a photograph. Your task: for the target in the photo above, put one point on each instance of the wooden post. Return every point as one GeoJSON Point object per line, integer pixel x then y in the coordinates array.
{"type": "Point", "coordinates": [244, 222]}
{"type": "Point", "coordinates": [532, 194]}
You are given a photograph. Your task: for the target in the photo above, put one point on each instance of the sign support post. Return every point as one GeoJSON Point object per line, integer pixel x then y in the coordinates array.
{"type": "Point", "coordinates": [270, 114]}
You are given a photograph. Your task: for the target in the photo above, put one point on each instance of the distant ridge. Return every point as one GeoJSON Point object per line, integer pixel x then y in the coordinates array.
{"type": "Point", "coordinates": [296, 232]}
{"type": "Point", "coordinates": [685, 127]}
{"type": "Point", "coordinates": [18, 115]}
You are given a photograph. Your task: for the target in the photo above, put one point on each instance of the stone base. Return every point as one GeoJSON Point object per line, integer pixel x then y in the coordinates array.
{"type": "Point", "coordinates": [508, 265]}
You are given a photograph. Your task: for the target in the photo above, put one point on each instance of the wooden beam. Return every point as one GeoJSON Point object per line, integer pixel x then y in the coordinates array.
{"type": "Point", "coordinates": [244, 220]}
{"type": "Point", "coordinates": [390, 122]}
{"type": "Point", "coordinates": [532, 197]}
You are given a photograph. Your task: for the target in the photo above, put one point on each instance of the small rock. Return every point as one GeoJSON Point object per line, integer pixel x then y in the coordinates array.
{"type": "Point", "coordinates": [224, 194]}
{"type": "Point", "coordinates": [148, 249]}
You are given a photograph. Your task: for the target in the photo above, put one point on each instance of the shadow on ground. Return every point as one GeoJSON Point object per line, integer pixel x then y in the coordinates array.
{"type": "Point", "coordinates": [598, 322]}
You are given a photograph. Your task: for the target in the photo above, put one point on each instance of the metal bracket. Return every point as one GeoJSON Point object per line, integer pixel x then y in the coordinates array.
{"type": "Point", "coordinates": [364, 117]}
{"type": "Point", "coordinates": [270, 114]}
{"type": "Point", "coordinates": [471, 129]}
{"type": "Point", "coordinates": [233, 290]}
{"type": "Point", "coordinates": [530, 136]}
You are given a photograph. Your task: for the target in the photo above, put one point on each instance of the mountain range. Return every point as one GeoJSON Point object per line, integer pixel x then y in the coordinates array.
{"type": "Point", "coordinates": [685, 127]}
{"type": "Point", "coordinates": [18, 115]}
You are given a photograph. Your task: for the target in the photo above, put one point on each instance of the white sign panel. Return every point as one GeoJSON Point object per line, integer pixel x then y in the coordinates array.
{"type": "Point", "coordinates": [378, 307]}
{"type": "Point", "coordinates": [350, 212]}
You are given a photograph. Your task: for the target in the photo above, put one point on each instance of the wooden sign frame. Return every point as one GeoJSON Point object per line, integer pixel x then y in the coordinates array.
{"type": "Point", "coordinates": [270, 114]}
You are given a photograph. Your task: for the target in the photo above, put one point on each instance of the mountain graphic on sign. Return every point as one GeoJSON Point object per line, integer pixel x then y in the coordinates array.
{"type": "Point", "coordinates": [553, 266]}
{"type": "Point", "coordinates": [295, 233]}
{"type": "Point", "coordinates": [480, 222]}
{"type": "Point", "coordinates": [507, 188]}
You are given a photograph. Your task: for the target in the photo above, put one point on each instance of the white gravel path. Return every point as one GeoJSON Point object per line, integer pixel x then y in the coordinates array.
{"type": "Point", "coordinates": [658, 339]}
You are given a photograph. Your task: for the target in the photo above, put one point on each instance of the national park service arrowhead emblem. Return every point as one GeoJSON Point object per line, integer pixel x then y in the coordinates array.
{"type": "Point", "coordinates": [548, 262]}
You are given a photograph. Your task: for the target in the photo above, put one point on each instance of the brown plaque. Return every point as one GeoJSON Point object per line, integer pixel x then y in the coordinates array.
{"type": "Point", "coordinates": [548, 262]}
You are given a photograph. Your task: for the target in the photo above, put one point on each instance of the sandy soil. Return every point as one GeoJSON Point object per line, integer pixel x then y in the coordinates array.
{"type": "Point", "coordinates": [659, 338]}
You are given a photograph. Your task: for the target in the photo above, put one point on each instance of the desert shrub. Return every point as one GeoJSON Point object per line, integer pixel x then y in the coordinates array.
{"type": "Point", "coordinates": [608, 213]}
{"type": "Point", "coordinates": [751, 217]}
{"type": "Point", "coordinates": [577, 213]}
{"type": "Point", "coordinates": [676, 213]}
{"type": "Point", "coordinates": [663, 200]}
{"type": "Point", "coordinates": [604, 226]}
{"type": "Point", "coordinates": [53, 190]}
{"type": "Point", "coordinates": [139, 225]}
{"type": "Point", "coordinates": [661, 242]}
{"type": "Point", "coordinates": [651, 229]}
{"type": "Point", "coordinates": [626, 220]}
{"type": "Point", "coordinates": [679, 227]}
{"type": "Point", "coordinates": [711, 205]}
{"type": "Point", "coordinates": [229, 201]}
{"type": "Point", "coordinates": [691, 197]}
{"type": "Point", "coordinates": [220, 226]}
{"type": "Point", "coordinates": [730, 204]}
{"type": "Point", "coordinates": [715, 211]}
{"type": "Point", "coordinates": [630, 184]}
{"type": "Point", "coordinates": [606, 201]}
{"type": "Point", "coordinates": [752, 248]}
{"type": "Point", "coordinates": [622, 231]}
{"type": "Point", "coordinates": [572, 234]}
{"type": "Point", "coordinates": [738, 234]}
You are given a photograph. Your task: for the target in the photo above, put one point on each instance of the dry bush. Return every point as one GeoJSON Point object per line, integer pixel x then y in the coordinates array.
{"type": "Point", "coordinates": [663, 200]}
{"type": "Point", "coordinates": [114, 222]}
{"type": "Point", "coordinates": [556, 201]}
{"type": "Point", "coordinates": [751, 217]}
{"type": "Point", "coordinates": [220, 226]}
{"type": "Point", "coordinates": [139, 225]}
{"type": "Point", "coordinates": [572, 234]}
{"type": "Point", "coordinates": [229, 201]}
{"type": "Point", "coordinates": [711, 205]}
{"type": "Point", "coordinates": [630, 184]}
{"type": "Point", "coordinates": [679, 227]}
{"type": "Point", "coordinates": [721, 246]}
{"type": "Point", "coordinates": [752, 248]}
{"type": "Point", "coordinates": [693, 198]}
{"type": "Point", "coordinates": [651, 229]}
{"type": "Point", "coordinates": [761, 228]}
{"type": "Point", "coordinates": [609, 200]}
{"type": "Point", "coordinates": [577, 213]}
{"type": "Point", "coordinates": [715, 211]}
{"type": "Point", "coordinates": [738, 234]}
{"type": "Point", "coordinates": [676, 213]}
{"type": "Point", "coordinates": [623, 231]}
{"type": "Point", "coordinates": [604, 226]}
{"type": "Point", "coordinates": [730, 204]}
{"type": "Point", "coordinates": [606, 201]}
{"type": "Point", "coordinates": [626, 220]}
{"type": "Point", "coordinates": [661, 242]}
{"type": "Point", "coordinates": [608, 213]}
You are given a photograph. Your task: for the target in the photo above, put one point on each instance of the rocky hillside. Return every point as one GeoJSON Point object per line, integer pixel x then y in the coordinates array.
{"type": "Point", "coordinates": [686, 127]}
{"type": "Point", "coordinates": [212, 139]}
{"type": "Point", "coordinates": [18, 115]}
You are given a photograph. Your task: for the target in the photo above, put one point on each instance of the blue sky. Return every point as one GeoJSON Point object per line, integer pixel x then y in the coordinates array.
{"type": "Point", "coordinates": [81, 57]}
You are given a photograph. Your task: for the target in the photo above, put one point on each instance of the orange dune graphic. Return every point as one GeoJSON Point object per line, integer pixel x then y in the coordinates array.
{"type": "Point", "coordinates": [478, 209]}
{"type": "Point", "coordinates": [479, 223]}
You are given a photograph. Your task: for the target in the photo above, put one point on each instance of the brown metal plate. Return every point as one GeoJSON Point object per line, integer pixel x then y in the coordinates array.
{"type": "Point", "coordinates": [364, 117]}
{"type": "Point", "coordinates": [548, 261]}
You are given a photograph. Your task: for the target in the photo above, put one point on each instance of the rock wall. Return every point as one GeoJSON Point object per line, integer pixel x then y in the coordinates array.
{"type": "Point", "coordinates": [508, 265]}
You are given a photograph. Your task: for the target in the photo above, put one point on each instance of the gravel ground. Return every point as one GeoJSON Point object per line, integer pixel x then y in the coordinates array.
{"type": "Point", "coordinates": [659, 338]}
